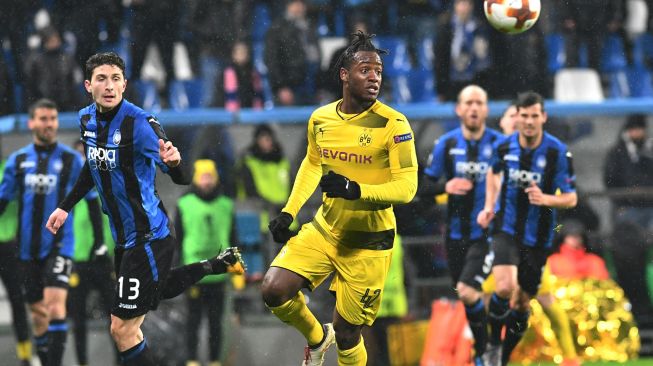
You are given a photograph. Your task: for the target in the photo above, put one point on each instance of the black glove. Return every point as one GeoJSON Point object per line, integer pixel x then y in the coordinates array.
{"type": "Point", "coordinates": [279, 227]}
{"type": "Point", "coordinates": [336, 185]}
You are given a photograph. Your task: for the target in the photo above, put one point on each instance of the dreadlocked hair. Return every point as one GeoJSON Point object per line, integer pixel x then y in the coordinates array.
{"type": "Point", "coordinates": [359, 42]}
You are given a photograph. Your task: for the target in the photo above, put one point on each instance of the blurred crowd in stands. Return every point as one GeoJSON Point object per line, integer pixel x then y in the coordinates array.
{"type": "Point", "coordinates": [257, 53]}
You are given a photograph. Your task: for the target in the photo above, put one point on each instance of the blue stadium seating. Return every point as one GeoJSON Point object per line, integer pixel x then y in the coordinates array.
{"type": "Point", "coordinates": [633, 82]}
{"type": "Point", "coordinates": [397, 62]}
{"type": "Point", "coordinates": [147, 95]}
{"type": "Point", "coordinates": [184, 94]}
{"type": "Point", "coordinates": [613, 57]}
{"type": "Point", "coordinates": [555, 45]}
{"type": "Point", "coordinates": [421, 84]}
{"type": "Point", "coordinates": [248, 231]}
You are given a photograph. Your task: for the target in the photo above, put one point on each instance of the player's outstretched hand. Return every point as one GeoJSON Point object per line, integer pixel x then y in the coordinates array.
{"type": "Point", "coordinates": [56, 220]}
{"type": "Point", "coordinates": [458, 186]}
{"type": "Point", "coordinates": [535, 195]}
{"type": "Point", "coordinates": [280, 228]}
{"type": "Point", "coordinates": [169, 153]}
{"type": "Point", "coordinates": [484, 218]}
{"type": "Point", "coordinates": [336, 185]}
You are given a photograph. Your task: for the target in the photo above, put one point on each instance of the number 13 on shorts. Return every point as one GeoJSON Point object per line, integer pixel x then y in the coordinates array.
{"type": "Point", "coordinates": [132, 290]}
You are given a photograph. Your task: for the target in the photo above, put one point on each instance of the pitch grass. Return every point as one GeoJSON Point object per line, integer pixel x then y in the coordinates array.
{"type": "Point", "coordinates": [640, 362]}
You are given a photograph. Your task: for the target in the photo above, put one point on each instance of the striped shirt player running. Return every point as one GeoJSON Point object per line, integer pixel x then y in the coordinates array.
{"type": "Point", "coordinates": [458, 165]}
{"type": "Point", "coordinates": [124, 145]}
{"type": "Point", "coordinates": [526, 171]}
{"type": "Point", "coordinates": [38, 176]}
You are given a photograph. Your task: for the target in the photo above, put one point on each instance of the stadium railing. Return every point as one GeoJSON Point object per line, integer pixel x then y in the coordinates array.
{"type": "Point", "coordinates": [413, 111]}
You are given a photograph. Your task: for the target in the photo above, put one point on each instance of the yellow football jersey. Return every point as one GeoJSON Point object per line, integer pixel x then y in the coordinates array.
{"type": "Point", "coordinates": [374, 148]}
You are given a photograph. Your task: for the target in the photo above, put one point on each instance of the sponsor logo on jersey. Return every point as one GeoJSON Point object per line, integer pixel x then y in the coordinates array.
{"type": "Point", "coordinates": [100, 158]}
{"type": "Point", "coordinates": [404, 137]}
{"type": "Point", "coordinates": [27, 164]}
{"type": "Point", "coordinates": [41, 183]}
{"type": "Point", "coordinates": [345, 156]}
{"type": "Point", "coordinates": [89, 134]}
{"type": "Point", "coordinates": [472, 170]}
{"type": "Point", "coordinates": [523, 178]}
{"type": "Point", "coordinates": [510, 157]}
{"type": "Point", "coordinates": [116, 137]}
{"type": "Point", "coordinates": [457, 151]}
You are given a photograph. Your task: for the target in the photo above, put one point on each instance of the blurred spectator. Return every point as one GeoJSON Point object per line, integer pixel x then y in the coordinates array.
{"type": "Point", "coordinates": [292, 55]}
{"type": "Point", "coordinates": [215, 143]}
{"type": "Point", "coordinates": [264, 171]}
{"type": "Point", "coordinates": [154, 21]}
{"type": "Point", "coordinates": [573, 261]}
{"type": "Point", "coordinates": [242, 85]}
{"type": "Point", "coordinates": [15, 18]}
{"type": "Point", "coordinates": [519, 63]}
{"type": "Point", "coordinates": [462, 54]}
{"type": "Point", "coordinates": [214, 26]}
{"type": "Point", "coordinates": [52, 73]}
{"type": "Point", "coordinates": [587, 21]}
{"type": "Point", "coordinates": [204, 226]}
{"type": "Point", "coordinates": [6, 89]}
{"type": "Point", "coordinates": [84, 20]}
{"type": "Point", "coordinates": [629, 165]}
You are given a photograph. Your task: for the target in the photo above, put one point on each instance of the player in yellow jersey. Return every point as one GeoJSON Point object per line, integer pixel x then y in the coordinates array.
{"type": "Point", "coordinates": [362, 154]}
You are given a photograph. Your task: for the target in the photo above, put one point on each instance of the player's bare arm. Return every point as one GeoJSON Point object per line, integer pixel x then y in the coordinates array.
{"type": "Point", "coordinates": [492, 187]}
{"type": "Point", "coordinates": [561, 201]}
{"type": "Point", "coordinates": [458, 186]}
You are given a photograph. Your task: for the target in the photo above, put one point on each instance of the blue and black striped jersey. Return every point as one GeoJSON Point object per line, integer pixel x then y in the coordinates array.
{"type": "Point", "coordinates": [455, 157]}
{"type": "Point", "coordinates": [39, 177]}
{"type": "Point", "coordinates": [550, 167]}
{"type": "Point", "coordinates": [122, 155]}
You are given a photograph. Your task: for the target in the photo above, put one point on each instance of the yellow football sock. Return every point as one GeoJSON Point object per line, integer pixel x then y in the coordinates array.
{"type": "Point", "coordinates": [356, 356]}
{"type": "Point", "coordinates": [296, 313]}
{"type": "Point", "coordinates": [24, 350]}
{"type": "Point", "coordinates": [560, 326]}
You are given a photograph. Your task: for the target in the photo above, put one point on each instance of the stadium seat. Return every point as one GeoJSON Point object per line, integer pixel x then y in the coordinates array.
{"type": "Point", "coordinates": [258, 49]}
{"type": "Point", "coordinates": [555, 45]}
{"type": "Point", "coordinates": [248, 231]}
{"type": "Point", "coordinates": [397, 62]}
{"type": "Point", "coordinates": [421, 84]}
{"type": "Point", "coordinates": [633, 82]}
{"type": "Point", "coordinates": [613, 57]}
{"type": "Point", "coordinates": [577, 85]}
{"type": "Point", "coordinates": [184, 94]}
{"type": "Point", "coordinates": [425, 53]}
{"type": "Point", "coordinates": [147, 95]}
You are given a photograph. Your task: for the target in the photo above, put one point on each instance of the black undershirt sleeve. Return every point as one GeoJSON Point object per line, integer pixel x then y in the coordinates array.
{"type": "Point", "coordinates": [82, 186]}
{"type": "Point", "coordinates": [95, 215]}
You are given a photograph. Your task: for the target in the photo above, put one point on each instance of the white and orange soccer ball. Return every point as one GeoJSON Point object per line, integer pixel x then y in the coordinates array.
{"type": "Point", "coordinates": [512, 16]}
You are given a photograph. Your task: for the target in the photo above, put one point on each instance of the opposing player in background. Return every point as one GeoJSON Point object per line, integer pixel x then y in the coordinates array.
{"type": "Point", "coordinates": [362, 154]}
{"type": "Point", "coordinates": [124, 145]}
{"type": "Point", "coordinates": [526, 171]}
{"type": "Point", "coordinates": [458, 165]}
{"type": "Point", "coordinates": [12, 278]}
{"type": "Point", "coordinates": [38, 176]}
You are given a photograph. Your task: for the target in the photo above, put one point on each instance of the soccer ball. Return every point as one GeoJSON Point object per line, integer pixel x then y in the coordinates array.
{"type": "Point", "coordinates": [512, 16]}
